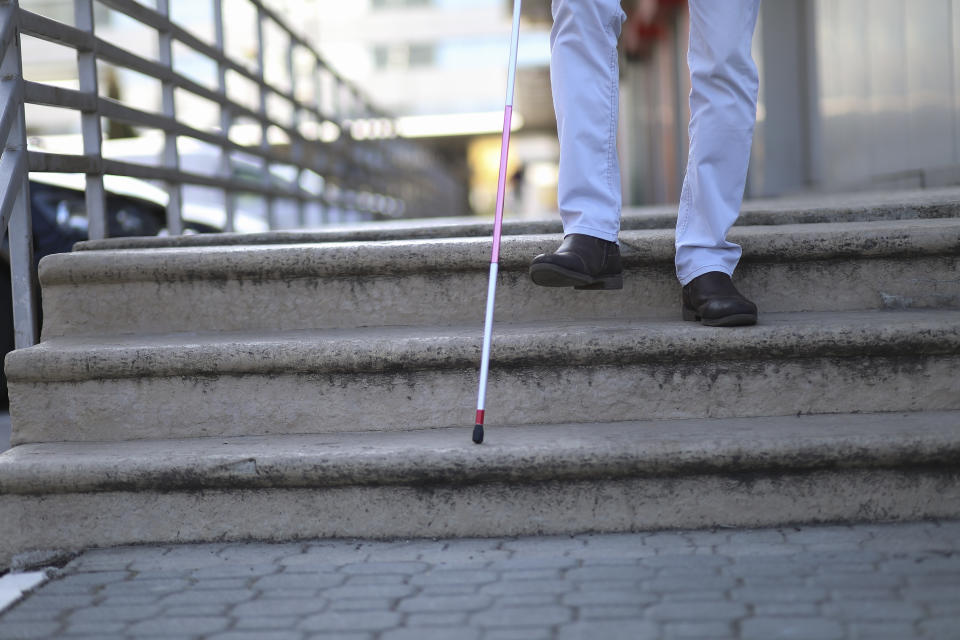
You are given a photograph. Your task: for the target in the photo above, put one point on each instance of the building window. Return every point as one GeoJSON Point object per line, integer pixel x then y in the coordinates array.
{"type": "Point", "coordinates": [385, 4]}
{"type": "Point", "coordinates": [403, 56]}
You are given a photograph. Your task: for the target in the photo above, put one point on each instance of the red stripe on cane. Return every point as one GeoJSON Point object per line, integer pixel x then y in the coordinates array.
{"type": "Point", "coordinates": [479, 416]}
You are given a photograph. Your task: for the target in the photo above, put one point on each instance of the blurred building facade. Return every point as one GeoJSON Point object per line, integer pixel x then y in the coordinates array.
{"type": "Point", "coordinates": [441, 66]}
{"type": "Point", "coordinates": [854, 94]}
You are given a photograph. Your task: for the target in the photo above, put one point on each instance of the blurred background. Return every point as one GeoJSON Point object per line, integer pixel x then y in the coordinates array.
{"type": "Point", "coordinates": [855, 94]}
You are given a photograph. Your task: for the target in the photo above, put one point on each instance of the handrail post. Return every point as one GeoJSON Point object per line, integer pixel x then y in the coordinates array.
{"type": "Point", "coordinates": [226, 118]}
{"type": "Point", "coordinates": [90, 126]}
{"type": "Point", "coordinates": [20, 229]}
{"type": "Point", "coordinates": [265, 118]}
{"type": "Point", "coordinates": [171, 156]}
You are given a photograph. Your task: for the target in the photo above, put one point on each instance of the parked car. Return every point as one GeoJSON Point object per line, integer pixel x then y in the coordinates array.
{"type": "Point", "coordinates": [58, 212]}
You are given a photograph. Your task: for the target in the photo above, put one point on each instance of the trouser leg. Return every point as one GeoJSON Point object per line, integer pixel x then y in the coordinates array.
{"type": "Point", "coordinates": [584, 75]}
{"type": "Point", "coordinates": [723, 108]}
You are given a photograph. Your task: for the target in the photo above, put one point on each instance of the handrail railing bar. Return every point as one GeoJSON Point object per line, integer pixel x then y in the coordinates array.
{"type": "Point", "coordinates": [171, 157]}
{"type": "Point", "coordinates": [296, 146]}
{"type": "Point", "coordinates": [90, 124]}
{"type": "Point", "coordinates": [318, 71]}
{"type": "Point", "coordinates": [10, 110]}
{"type": "Point", "coordinates": [45, 28]}
{"type": "Point", "coordinates": [12, 167]}
{"type": "Point", "coordinates": [226, 115]}
{"type": "Point", "coordinates": [157, 21]}
{"type": "Point", "coordinates": [17, 222]}
{"type": "Point", "coordinates": [7, 26]}
{"type": "Point", "coordinates": [66, 163]}
{"type": "Point", "coordinates": [264, 117]}
{"type": "Point", "coordinates": [38, 93]}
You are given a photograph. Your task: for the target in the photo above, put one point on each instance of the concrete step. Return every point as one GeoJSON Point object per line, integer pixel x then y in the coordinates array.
{"type": "Point", "coordinates": [803, 267]}
{"type": "Point", "coordinates": [186, 385]}
{"type": "Point", "coordinates": [852, 207]}
{"type": "Point", "coordinates": [552, 479]}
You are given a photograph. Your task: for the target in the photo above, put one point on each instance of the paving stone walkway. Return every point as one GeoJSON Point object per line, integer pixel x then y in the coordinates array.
{"type": "Point", "coordinates": [873, 582]}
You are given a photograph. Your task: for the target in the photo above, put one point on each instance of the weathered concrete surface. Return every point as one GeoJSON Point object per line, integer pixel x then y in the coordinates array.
{"type": "Point", "coordinates": [74, 521]}
{"type": "Point", "coordinates": [859, 207]}
{"type": "Point", "coordinates": [515, 454]}
{"type": "Point", "coordinates": [192, 385]}
{"type": "Point", "coordinates": [535, 480]}
{"type": "Point", "coordinates": [811, 267]}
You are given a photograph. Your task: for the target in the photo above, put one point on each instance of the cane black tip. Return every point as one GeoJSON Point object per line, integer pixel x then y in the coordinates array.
{"type": "Point", "coordinates": [478, 434]}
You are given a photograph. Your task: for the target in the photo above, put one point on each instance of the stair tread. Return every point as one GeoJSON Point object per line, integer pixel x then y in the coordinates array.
{"type": "Point", "coordinates": [794, 242]}
{"type": "Point", "coordinates": [924, 203]}
{"type": "Point", "coordinates": [510, 454]}
{"type": "Point", "coordinates": [796, 334]}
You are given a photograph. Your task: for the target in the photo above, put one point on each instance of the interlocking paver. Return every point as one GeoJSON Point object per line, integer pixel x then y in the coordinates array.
{"type": "Point", "coordinates": [609, 611]}
{"type": "Point", "coordinates": [625, 629]}
{"type": "Point", "coordinates": [592, 597]}
{"type": "Point", "coordinates": [370, 591]}
{"type": "Point", "coordinates": [269, 608]}
{"type": "Point", "coordinates": [171, 626]}
{"type": "Point", "coordinates": [226, 570]}
{"type": "Point", "coordinates": [362, 604]}
{"type": "Point", "coordinates": [772, 594]}
{"type": "Point", "coordinates": [697, 630]}
{"type": "Point", "coordinates": [422, 604]}
{"type": "Point", "coordinates": [820, 582]}
{"type": "Point", "coordinates": [437, 619]}
{"type": "Point", "coordinates": [609, 572]}
{"type": "Point", "coordinates": [523, 633]}
{"type": "Point", "coordinates": [305, 581]}
{"type": "Point", "coordinates": [872, 611]}
{"type": "Point", "coordinates": [881, 631]}
{"type": "Point", "coordinates": [529, 616]}
{"type": "Point", "coordinates": [26, 630]}
{"type": "Point", "coordinates": [196, 610]}
{"type": "Point", "coordinates": [352, 621]}
{"type": "Point", "coordinates": [98, 628]}
{"type": "Point", "coordinates": [279, 622]}
{"type": "Point", "coordinates": [684, 611]}
{"type": "Point", "coordinates": [530, 574]}
{"type": "Point", "coordinates": [385, 568]}
{"type": "Point", "coordinates": [527, 600]}
{"type": "Point", "coordinates": [206, 596]}
{"type": "Point", "coordinates": [940, 627]}
{"type": "Point", "coordinates": [526, 586]}
{"type": "Point", "coordinates": [238, 634]}
{"type": "Point", "coordinates": [455, 576]}
{"type": "Point", "coordinates": [790, 629]}
{"type": "Point", "coordinates": [144, 586]}
{"type": "Point", "coordinates": [437, 633]}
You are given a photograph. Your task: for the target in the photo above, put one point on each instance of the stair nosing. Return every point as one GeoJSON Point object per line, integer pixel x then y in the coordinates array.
{"type": "Point", "coordinates": [528, 454]}
{"type": "Point", "coordinates": [278, 262]}
{"type": "Point", "coordinates": [795, 335]}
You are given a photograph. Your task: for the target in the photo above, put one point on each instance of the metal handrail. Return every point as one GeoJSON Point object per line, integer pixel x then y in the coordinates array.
{"type": "Point", "coordinates": [370, 175]}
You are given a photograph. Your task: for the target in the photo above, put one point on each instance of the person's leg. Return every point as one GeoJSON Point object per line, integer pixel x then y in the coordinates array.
{"type": "Point", "coordinates": [723, 106]}
{"type": "Point", "coordinates": [584, 76]}
{"type": "Point", "coordinates": [723, 109]}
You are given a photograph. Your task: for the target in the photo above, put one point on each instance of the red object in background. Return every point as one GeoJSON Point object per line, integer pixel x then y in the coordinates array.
{"type": "Point", "coordinates": [646, 24]}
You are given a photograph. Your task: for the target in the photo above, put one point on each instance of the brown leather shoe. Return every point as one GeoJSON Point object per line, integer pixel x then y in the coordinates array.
{"type": "Point", "coordinates": [712, 300]}
{"type": "Point", "coordinates": [581, 262]}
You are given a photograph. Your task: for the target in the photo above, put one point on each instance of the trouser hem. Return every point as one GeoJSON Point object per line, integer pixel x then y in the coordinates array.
{"type": "Point", "coordinates": [685, 279]}
{"type": "Point", "coordinates": [592, 231]}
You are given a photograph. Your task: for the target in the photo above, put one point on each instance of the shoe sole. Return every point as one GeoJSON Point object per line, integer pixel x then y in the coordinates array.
{"type": "Point", "coordinates": [735, 320]}
{"type": "Point", "coordinates": [549, 275]}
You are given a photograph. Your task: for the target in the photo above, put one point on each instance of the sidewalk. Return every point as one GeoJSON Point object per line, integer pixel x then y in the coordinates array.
{"type": "Point", "coordinates": [870, 581]}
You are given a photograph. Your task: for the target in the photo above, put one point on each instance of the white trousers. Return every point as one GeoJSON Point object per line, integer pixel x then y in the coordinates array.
{"type": "Point", "coordinates": [723, 103]}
